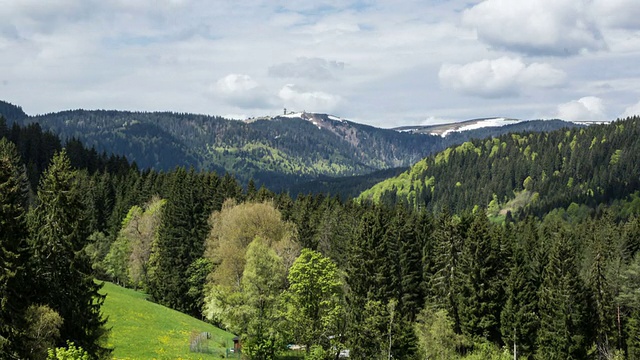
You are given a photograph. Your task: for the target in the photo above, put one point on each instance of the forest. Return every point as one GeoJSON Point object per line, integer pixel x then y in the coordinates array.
{"type": "Point", "coordinates": [282, 153]}
{"type": "Point", "coordinates": [433, 277]}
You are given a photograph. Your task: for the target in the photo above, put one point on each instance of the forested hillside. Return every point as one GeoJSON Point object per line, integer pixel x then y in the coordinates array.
{"type": "Point", "coordinates": [331, 275]}
{"type": "Point", "coordinates": [279, 152]}
{"type": "Point", "coordinates": [543, 171]}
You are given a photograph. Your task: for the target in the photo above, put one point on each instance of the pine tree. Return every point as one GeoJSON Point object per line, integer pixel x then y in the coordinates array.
{"type": "Point", "coordinates": [443, 285]}
{"type": "Point", "coordinates": [60, 268]}
{"type": "Point", "coordinates": [13, 237]}
{"type": "Point", "coordinates": [363, 312]}
{"type": "Point", "coordinates": [180, 242]}
{"type": "Point", "coordinates": [480, 282]}
{"type": "Point", "coordinates": [562, 304]}
{"type": "Point", "coordinates": [601, 243]}
{"type": "Point", "coordinates": [519, 319]}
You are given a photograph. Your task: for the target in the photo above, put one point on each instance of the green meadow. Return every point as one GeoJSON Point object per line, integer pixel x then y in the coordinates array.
{"type": "Point", "coordinates": [141, 329]}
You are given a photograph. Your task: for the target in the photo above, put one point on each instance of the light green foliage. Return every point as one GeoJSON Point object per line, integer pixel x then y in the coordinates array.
{"type": "Point", "coordinates": [436, 338]}
{"type": "Point", "coordinates": [253, 309]}
{"type": "Point", "coordinates": [527, 184]}
{"type": "Point", "coordinates": [315, 294]}
{"type": "Point", "coordinates": [142, 230]}
{"type": "Point", "coordinates": [488, 351]}
{"type": "Point", "coordinates": [71, 352]}
{"type": "Point", "coordinates": [443, 157]}
{"type": "Point", "coordinates": [263, 282]}
{"type": "Point", "coordinates": [316, 353]}
{"type": "Point", "coordinates": [43, 329]}
{"type": "Point", "coordinates": [494, 206]}
{"type": "Point", "coordinates": [615, 157]}
{"type": "Point", "coordinates": [234, 228]}
{"type": "Point", "coordinates": [574, 143]}
{"type": "Point", "coordinates": [468, 147]}
{"type": "Point", "coordinates": [117, 260]}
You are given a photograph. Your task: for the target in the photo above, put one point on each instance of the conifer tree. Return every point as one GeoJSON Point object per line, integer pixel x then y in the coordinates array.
{"type": "Point", "coordinates": [519, 319]}
{"type": "Point", "coordinates": [13, 237]}
{"type": "Point", "coordinates": [601, 245]}
{"type": "Point", "coordinates": [562, 304]}
{"type": "Point", "coordinates": [480, 298]}
{"type": "Point", "coordinates": [444, 282]}
{"type": "Point", "coordinates": [630, 298]}
{"type": "Point", "coordinates": [363, 311]}
{"type": "Point", "coordinates": [60, 268]}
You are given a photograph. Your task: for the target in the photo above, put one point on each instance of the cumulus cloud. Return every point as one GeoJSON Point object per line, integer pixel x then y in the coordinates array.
{"type": "Point", "coordinates": [590, 108]}
{"type": "Point", "coordinates": [618, 13]}
{"type": "Point", "coordinates": [309, 68]}
{"type": "Point", "coordinates": [241, 90]}
{"type": "Point", "coordinates": [296, 98]}
{"type": "Point", "coordinates": [633, 110]}
{"type": "Point", "coordinates": [536, 27]}
{"type": "Point", "coordinates": [504, 76]}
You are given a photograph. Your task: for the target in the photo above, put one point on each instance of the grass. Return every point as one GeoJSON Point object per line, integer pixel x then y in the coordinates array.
{"type": "Point", "coordinates": [141, 329]}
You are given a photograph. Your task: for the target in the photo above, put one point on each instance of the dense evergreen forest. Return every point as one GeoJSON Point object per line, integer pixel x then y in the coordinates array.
{"type": "Point", "coordinates": [540, 171]}
{"type": "Point", "coordinates": [383, 280]}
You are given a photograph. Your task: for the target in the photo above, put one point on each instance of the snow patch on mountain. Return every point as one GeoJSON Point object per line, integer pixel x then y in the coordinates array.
{"type": "Point", "coordinates": [478, 124]}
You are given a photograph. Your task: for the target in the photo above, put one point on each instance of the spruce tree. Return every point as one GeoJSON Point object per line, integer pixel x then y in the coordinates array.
{"type": "Point", "coordinates": [444, 282]}
{"type": "Point", "coordinates": [60, 268]}
{"type": "Point", "coordinates": [562, 304]}
{"type": "Point", "coordinates": [363, 312]}
{"type": "Point", "coordinates": [480, 282]}
{"type": "Point", "coordinates": [600, 279]}
{"type": "Point", "coordinates": [519, 319]}
{"type": "Point", "coordinates": [180, 243]}
{"type": "Point", "coordinates": [13, 237]}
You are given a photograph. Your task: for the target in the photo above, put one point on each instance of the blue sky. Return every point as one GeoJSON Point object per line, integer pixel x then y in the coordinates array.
{"type": "Point", "coordinates": [385, 63]}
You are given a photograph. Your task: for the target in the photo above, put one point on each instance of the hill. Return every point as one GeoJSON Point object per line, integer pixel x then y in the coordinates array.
{"type": "Point", "coordinates": [277, 152]}
{"type": "Point", "coordinates": [141, 329]}
{"type": "Point", "coordinates": [591, 165]}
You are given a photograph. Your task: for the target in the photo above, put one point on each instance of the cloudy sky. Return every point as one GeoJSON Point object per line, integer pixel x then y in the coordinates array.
{"type": "Point", "coordinates": [381, 62]}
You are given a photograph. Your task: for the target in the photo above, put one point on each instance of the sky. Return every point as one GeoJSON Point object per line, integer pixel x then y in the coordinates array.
{"type": "Point", "coordinates": [381, 62]}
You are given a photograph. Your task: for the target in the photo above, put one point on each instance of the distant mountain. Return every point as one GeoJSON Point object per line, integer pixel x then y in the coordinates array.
{"type": "Point", "coordinates": [495, 126]}
{"type": "Point", "coordinates": [277, 151]}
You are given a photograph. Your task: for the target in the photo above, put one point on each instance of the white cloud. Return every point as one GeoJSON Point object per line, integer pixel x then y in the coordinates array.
{"type": "Point", "coordinates": [536, 27]}
{"type": "Point", "coordinates": [315, 101]}
{"type": "Point", "coordinates": [242, 91]}
{"type": "Point", "coordinates": [633, 110]}
{"type": "Point", "coordinates": [618, 13]}
{"type": "Point", "coordinates": [504, 76]}
{"type": "Point", "coordinates": [590, 108]}
{"type": "Point", "coordinates": [309, 68]}
{"type": "Point", "coordinates": [169, 54]}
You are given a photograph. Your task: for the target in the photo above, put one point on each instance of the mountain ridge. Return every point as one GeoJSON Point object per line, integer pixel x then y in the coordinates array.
{"type": "Point", "coordinates": [275, 151]}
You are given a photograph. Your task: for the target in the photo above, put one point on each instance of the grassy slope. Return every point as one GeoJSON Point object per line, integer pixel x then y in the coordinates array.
{"type": "Point", "coordinates": [142, 329]}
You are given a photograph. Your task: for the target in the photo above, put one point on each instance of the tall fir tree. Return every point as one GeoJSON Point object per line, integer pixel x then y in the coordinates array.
{"type": "Point", "coordinates": [519, 317]}
{"type": "Point", "coordinates": [602, 242]}
{"type": "Point", "coordinates": [481, 284]}
{"type": "Point", "coordinates": [562, 303]}
{"type": "Point", "coordinates": [61, 270]}
{"type": "Point", "coordinates": [180, 243]}
{"type": "Point", "coordinates": [13, 246]}
{"type": "Point", "coordinates": [444, 284]}
{"type": "Point", "coordinates": [363, 312]}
